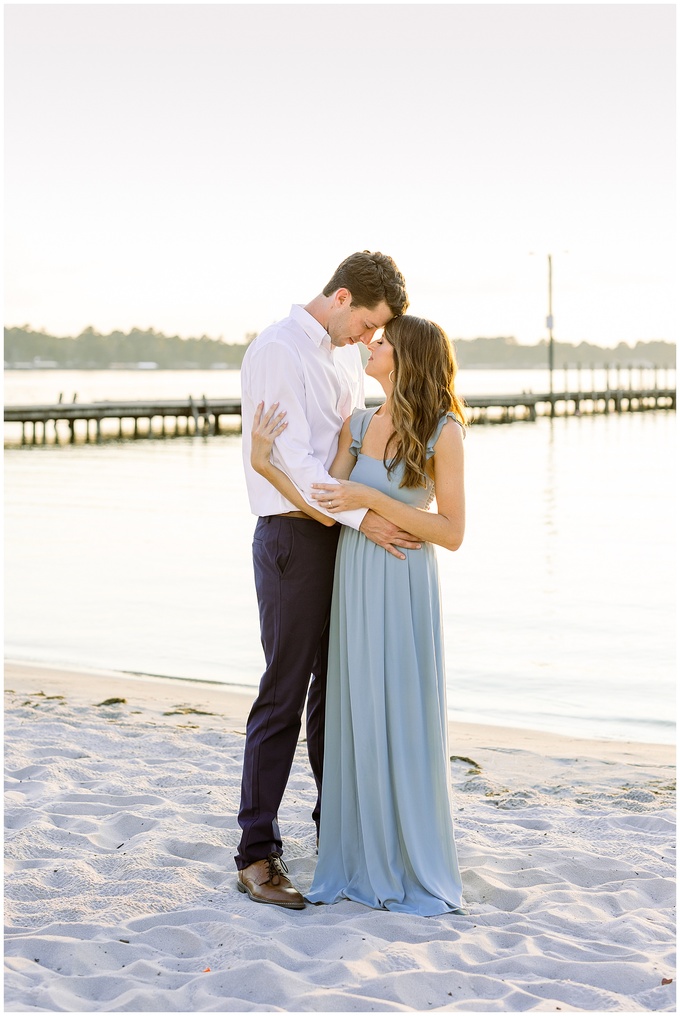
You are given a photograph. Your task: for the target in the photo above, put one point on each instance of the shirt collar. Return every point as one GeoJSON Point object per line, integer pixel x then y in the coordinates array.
{"type": "Point", "coordinates": [316, 331]}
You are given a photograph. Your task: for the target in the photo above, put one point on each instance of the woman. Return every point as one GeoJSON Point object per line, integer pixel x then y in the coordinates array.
{"type": "Point", "coordinates": [386, 837]}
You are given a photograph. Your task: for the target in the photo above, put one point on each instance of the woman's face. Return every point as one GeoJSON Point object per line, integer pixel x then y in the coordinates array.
{"type": "Point", "coordinates": [381, 360]}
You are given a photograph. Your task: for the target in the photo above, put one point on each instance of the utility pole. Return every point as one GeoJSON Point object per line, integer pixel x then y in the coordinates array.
{"type": "Point", "coordinates": [551, 346]}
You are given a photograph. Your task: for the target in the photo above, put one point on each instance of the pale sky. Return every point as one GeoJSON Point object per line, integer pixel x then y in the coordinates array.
{"type": "Point", "coordinates": [198, 168]}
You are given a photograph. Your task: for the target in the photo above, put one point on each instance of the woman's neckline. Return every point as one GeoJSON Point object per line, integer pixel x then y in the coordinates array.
{"type": "Point", "coordinates": [374, 414]}
{"type": "Point", "coordinates": [373, 458]}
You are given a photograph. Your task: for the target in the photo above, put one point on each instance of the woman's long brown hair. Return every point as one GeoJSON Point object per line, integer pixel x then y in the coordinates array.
{"type": "Point", "coordinates": [424, 373]}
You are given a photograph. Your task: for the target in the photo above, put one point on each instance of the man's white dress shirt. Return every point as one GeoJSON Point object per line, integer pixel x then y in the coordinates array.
{"type": "Point", "coordinates": [319, 385]}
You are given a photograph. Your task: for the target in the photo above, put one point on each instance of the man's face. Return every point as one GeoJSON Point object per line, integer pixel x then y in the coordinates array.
{"type": "Point", "coordinates": [348, 324]}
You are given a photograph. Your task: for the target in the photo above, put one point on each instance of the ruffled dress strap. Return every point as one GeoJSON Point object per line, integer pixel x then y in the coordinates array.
{"type": "Point", "coordinates": [437, 431]}
{"type": "Point", "coordinates": [358, 425]}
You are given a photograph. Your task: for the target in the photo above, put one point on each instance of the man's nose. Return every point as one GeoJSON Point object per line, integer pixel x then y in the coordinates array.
{"type": "Point", "coordinates": [367, 337]}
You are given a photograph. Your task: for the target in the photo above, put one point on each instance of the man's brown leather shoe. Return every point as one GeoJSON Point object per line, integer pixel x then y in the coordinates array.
{"type": "Point", "coordinates": [266, 882]}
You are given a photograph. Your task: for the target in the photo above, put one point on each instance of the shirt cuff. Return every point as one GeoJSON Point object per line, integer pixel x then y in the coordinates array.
{"type": "Point", "coordinates": [352, 519]}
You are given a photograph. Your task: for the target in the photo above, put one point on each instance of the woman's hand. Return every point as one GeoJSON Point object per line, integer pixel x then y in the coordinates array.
{"type": "Point", "coordinates": [266, 428]}
{"type": "Point", "coordinates": [342, 496]}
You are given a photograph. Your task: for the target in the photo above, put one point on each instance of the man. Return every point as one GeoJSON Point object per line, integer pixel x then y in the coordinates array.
{"type": "Point", "coordinates": [306, 363]}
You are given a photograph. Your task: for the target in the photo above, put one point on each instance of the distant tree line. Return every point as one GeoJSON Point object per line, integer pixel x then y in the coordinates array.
{"type": "Point", "coordinates": [25, 347]}
{"type": "Point", "coordinates": [507, 352]}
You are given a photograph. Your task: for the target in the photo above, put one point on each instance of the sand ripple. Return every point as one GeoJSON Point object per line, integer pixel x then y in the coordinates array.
{"type": "Point", "coordinates": [120, 893]}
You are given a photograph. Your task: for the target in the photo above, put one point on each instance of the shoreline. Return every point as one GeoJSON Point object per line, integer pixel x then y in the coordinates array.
{"type": "Point", "coordinates": [233, 702]}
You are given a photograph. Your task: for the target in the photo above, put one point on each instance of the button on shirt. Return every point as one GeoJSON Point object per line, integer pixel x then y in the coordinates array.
{"type": "Point", "coordinates": [319, 385]}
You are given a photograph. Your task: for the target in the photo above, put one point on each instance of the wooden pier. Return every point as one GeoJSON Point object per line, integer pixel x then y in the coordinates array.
{"type": "Point", "coordinates": [528, 406]}
{"type": "Point", "coordinates": [73, 422]}
{"type": "Point", "coordinates": [94, 421]}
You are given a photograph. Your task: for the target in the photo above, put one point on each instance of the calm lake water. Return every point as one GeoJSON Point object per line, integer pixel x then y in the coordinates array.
{"type": "Point", "coordinates": [559, 607]}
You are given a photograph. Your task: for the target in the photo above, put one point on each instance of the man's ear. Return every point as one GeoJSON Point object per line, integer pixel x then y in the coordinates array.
{"type": "Point", "coordinates": [342, 296]}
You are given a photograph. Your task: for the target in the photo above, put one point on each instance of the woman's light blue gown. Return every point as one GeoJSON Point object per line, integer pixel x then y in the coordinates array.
{"type": "Point", "coordinates": [386, 836]}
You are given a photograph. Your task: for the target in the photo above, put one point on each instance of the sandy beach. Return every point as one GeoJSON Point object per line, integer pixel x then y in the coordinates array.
{"type": "Point", "coordinates": [120, 890]}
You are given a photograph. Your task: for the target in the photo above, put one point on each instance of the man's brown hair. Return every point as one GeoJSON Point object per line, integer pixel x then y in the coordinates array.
{"type": "Point", "coordinates": [370, 278]}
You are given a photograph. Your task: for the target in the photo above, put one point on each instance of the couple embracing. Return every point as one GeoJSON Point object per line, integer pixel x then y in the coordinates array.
{"type": "Point", "coordinates": [348, 593]}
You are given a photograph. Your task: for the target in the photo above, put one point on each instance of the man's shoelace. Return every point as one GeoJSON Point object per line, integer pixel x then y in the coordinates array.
{"type": "Point", "coordinates": [277, 867]}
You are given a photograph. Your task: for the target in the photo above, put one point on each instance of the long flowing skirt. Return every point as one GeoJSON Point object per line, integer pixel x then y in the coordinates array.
{"type": "Point", "coordinates": [386, 835]}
